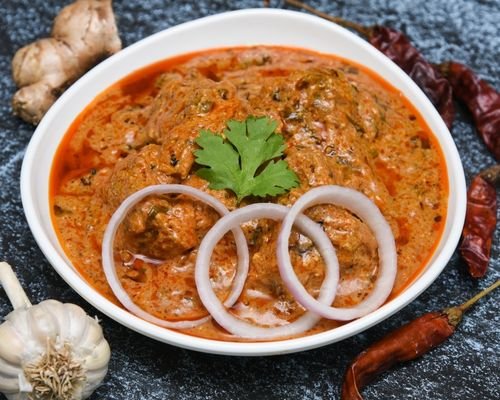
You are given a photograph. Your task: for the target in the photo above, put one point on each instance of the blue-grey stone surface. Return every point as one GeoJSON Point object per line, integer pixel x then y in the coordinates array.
{"type": "Point", "coordinates": [465, 367]}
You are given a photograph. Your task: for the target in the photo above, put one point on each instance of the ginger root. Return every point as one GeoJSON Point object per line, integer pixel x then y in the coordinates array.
{"type": "Point", "coordinates": [83, 34]}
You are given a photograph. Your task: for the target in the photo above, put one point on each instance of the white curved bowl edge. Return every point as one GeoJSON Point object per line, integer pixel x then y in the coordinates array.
{"type": "Point", "coordinates": [236, 28]}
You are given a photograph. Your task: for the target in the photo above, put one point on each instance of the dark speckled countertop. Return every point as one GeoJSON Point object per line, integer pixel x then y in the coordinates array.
{"type": "Point", "coordinates": [465, 367]}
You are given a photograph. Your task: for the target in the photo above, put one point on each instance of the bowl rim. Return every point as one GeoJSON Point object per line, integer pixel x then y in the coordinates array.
{"type": "Point", "coordinates": [71, 276]}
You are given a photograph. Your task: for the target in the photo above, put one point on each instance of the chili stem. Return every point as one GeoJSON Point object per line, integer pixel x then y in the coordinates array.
{"type": "Point", "coordinates": [340, 21]}
{"type": "Point", "coordinates": [13, 288]}
{"type": "Point", "coordinates": [456, 313]}
{"type": "Point", "coordinates": [464, 307]}
{"type": "Point", "coordinates": [492, 174]}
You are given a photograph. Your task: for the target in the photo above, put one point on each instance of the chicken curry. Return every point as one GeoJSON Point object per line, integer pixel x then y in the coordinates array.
{"type": "Point", "coordinates": [342, 125]}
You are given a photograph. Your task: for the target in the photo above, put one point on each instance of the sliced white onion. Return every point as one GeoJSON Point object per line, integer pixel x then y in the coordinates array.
{"type": "Point", "coordinates": [245, 329]}
{"type": "Point", "coordinates": [108, 257]}
{"type": "Point", "coordinates": [365, 209]}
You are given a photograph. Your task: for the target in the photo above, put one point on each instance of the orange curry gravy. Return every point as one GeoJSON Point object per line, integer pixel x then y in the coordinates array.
{"type": "Point", "coordinates": [342, 124]}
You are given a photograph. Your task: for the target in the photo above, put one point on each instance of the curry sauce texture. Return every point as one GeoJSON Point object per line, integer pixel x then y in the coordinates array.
{"type": "Point", "coordinates": [342, 125]}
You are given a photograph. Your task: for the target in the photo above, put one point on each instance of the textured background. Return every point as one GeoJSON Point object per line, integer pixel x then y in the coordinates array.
{"type": "Point", "coordinates": [465, 367]}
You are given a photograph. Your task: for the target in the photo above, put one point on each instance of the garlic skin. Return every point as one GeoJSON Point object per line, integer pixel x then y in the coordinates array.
{"type": "Point", "coordinates": [50, 330]}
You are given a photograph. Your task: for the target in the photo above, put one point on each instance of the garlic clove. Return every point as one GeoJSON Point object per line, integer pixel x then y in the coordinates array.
{"type": "Point", "coordinates": [10, 385]}
{"type": "Point", "coordinates": [94, 379]}
{"type": "Point", "coordinates": [24, 385]}
{"type": "Point", "coordinates": [99, 357]}
{"type": "Point", "coordinates": [60, 317]}
{"type": "Point", "coordinates": [92, 336]}
{"type": "Point", "coordinates": [19, 321]}
{"type": "Point", "coordinates": [77, 323]}
{"type": "Point", "coordinates": [42, 323]}
{"type": "Point", "coordinates": [11, 345]}
{"type": "Point", "coordinates": [7, 369]}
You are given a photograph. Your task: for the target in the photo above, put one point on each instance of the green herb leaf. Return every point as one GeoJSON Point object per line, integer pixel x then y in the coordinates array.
{"type": "Point", "coordinates": [244, 161]}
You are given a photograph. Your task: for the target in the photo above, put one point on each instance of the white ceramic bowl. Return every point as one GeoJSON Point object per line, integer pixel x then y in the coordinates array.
{"type": "Point", "coordinates": [245, 27]}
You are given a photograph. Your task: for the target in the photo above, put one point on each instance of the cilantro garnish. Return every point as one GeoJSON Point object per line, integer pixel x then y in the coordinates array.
{"type": "Point", "coordinates": [243, 159]}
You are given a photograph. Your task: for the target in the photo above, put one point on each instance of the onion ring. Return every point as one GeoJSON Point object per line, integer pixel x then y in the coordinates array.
{"type": "Point", "coordinates": [365, 209]}
{"type": "Point", "coordinates": [245, 329]}
{"type": "Point", "coordinates": [108, 257]}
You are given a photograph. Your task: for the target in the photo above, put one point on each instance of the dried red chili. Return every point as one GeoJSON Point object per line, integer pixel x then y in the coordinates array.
{"type": "Point", "coordinates": [404, 344]}
{"type": "Point", "coordinates": [398, 48]}
{"type": "Point", "coordinates": [482, 100]}
{"type": "Point", "coordinates": [480, 221]}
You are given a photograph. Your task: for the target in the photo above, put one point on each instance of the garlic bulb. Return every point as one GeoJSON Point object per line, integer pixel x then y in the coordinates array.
{"type": "Point", "coordinates": [48, 351]}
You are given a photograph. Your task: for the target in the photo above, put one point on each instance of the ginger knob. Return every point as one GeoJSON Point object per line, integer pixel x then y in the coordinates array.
{"type": "Point", "coordinates": [83, 34]}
